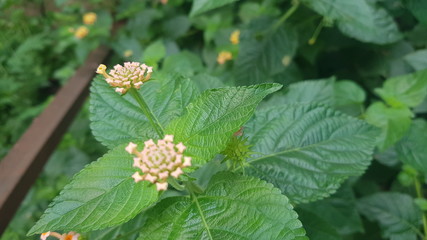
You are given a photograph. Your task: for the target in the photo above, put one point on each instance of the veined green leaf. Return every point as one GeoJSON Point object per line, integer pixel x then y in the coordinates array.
{"type": "Point", "coordinates": [394, 123]}
{"type": "Point", "coordinates": [407, 90]}
{"type": "Point", "coordinates": [259, 60]}
{"type": "Point", "coordinates": [308, 150]}
{"type": "Point", "coordinates": [102, 195]}
{"type": "Point", "coordinates": [232, 207]}
{"type": "Point", "coordinates": [397, 214]}
{"type": "Point", "coordinates": [412, 148]}
{"type": "Point", "coordinates": [359, 19]}
{"type": "Point", "coordinates": [214, 116]}
{"type": "Point", "coordinates": [116, 119]}
{"type": "Point", "coordinates": [201, 6]}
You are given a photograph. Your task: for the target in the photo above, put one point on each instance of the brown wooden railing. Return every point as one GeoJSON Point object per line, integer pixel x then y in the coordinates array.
{"type": "Point", "coordinates": [24, 162]}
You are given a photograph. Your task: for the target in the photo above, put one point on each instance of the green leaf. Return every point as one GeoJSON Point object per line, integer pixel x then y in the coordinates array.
{"type": "Point", "coordinates": [102, 195]}
{"type": "Point", "coordinates": [232, 207]}
{"type": "Point", "coordinates": [154, 52]}
{"type": "Point", "coordinates": [308, 150]}
{"type": "Point", "coordinates": [317, 228]}
{"type": "Point", "coordinates": [418, 8]}
{"type": "Point", "coordinates": [394, 123]}
{"type": "Point", "coordinates": [417, 59]}
{"type": "Point", "coordinates": [214, 116]}
{"type": "Point", "coordinates": [359, 19]}
{"type": "Point", "coordinates": [201, 6]}
{"type": "Point", "coordinates": [412, 148]}
{"type": "Point", "coordinates": [259, 60]}
{"type": "Point", "coordinates": [407, 90]}
{"type": "Point", "coordinates": [185, 63]}
{"type": "Point", "coordinates": [116, 119]}
{"type": "Point", "coordinates": [396, 214]}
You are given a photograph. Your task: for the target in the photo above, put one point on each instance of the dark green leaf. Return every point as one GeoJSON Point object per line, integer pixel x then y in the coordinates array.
{"type": "Point", "coordinates": [396, 213]}
{"type": "Point", "coordinates": [102, 195]}
{"type": "Point", "coordinates": [116, 119]}
{"type": "Point", "coordinates": [308, 150]}
{"type": "Point", "coordinates": [418, 8]}
{"type": "Point", "coordinates": [232, 207]}
{"type": "Point", "coordinates": [201, 6]}
{"type": "Point", "coordinates": [214, 116]}
{"type": "Point", "coordinates": [317, 228]}
{"type": "Point", "coordinates": [412, 148]}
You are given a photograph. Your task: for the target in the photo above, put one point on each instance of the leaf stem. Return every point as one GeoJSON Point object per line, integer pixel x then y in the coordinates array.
{"type": "Point", "coordinates": [295, 5]}
{"type": "Point", "coordinates": [172, 181]}
{"type": "Point", "coordinates": [201, 214]}
{"type": "Point", "coordinates": [147, 111]}
{"type": "Point", "coordinates": [420, 195]}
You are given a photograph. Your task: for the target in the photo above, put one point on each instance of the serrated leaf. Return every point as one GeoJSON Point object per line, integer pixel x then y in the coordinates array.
{"type": "Point", "coordinates": [417, 59]}
{"type": "Point", "coordinates": [407, 90]}
{"type": "Point", "coordinates": [102, 195]}
{"type": "Point", "coordinates": [412, 149]}
{"type": "Point", "coordinates": [359, 19]}
{"type": "Point", "coordinates": [259, 60]}
{"type": "Point", "coordinates": [396, 214]}
{"type": "Point", "coordinates": [308, 150]}
{"type": "Point", "coordinates": [394, 123]}
{"type": "Point", "coordinates": [116, 119]}
{"type": "Point", "coordinates": [201, 6]}
{"type": "Point", "coordinates": [214, 116]}
{"type": "Point", "coordinates": [232, 207]}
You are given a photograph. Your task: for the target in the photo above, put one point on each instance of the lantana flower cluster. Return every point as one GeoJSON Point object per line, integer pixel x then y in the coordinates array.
{"type": "Point", "coordinates": [159, 161]}
{"type": "Point", "coordinates": [65, 236]}
{"type": "Point", "coordinates": [131, 75]}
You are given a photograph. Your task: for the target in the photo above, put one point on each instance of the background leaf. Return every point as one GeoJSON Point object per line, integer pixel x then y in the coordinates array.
{"type": "Point", "coordinates": [102, 195]}
{"type": "Point", "coordinates": [417, 59]}
{"type": "Point", "coordinates": [308, 150]}
{"type": "Point", "coordinates": [201, 6]}
{"type": "Point", "coordinates": [359, 19]}
{"type": "Point", "coordinates": [214, 116]}
{"type": "Point", "coordinates": [394, 123]}
{"type": "Point", "coordinates": [412, 148]}
{"type": "Point", "coordinates": [396, 213]}
{"type": "Point", "coordinates": [116, 119]}
{"type": "Point", "coordinates": [233, 206]}
{"type": "Point", "coordinates": [316, 227]}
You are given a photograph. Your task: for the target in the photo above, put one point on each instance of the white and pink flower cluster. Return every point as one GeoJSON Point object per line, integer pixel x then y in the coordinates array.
{"type": "Point", "coordinates": [131, 75]}
{"type": "Point", "coordinates": [159, 161]}
{"type": "Point", "coordinates": [65, 236]}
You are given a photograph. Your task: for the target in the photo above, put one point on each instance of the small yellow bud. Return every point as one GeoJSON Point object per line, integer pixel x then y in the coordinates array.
{"type": "Point", "coordinates": [81, 32]}
{"type": "Point", "coordinates": [234, 37]}
{"type": "Point", "coordinates": [128, 53]}
{"type": "Point", "coordinates": [224, 56]}
{"type": "Point", "coordinates": [286, 60]}
{"type": "Point", "coordinates": [312, 41]}
{"type": "Point", "coordinates": [89, 18]}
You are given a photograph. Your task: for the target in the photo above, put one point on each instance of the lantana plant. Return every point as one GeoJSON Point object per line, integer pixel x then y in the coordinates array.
{"type": "Point", "coordinates": [204, 165]}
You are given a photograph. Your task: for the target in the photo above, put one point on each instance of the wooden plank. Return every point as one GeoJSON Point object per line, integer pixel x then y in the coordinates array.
{"type": "Point", "coordinates": [21, 167]}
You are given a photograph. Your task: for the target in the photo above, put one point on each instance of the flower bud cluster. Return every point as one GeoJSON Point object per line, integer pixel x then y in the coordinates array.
{"type": "Point", "coordinates": [131, 75]}
{"type": "Point", "coordinates": [65, 236]}
{"type": "Point", "coordinates": [159, 161]}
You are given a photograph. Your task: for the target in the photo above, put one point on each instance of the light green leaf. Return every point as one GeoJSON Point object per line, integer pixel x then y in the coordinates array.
{"type": "Point", "coordinates": [232, 207]}
{"type": "Point", "coordinates": [102, 195]}
{"type": "Point", "coordinates": [201, 6]}
{"type": "Point", "coordinates": [417, 59]}
{"type": "Point", "coordinates": [185, 63]}
{"type": "Point", "coordinates": [259, 60]}
{"type": "Point", "coordinates": [412, 148]}
{"type": "Point", "coordinates": [308, 150]}
{"type": "Point", "coordinates": [176, 26]}
{"type": "Point", "coordinates": [116, 119]}
{"type": "Point", "coordinates": [359, 19]}
{"type": "Point", "coordinates": [154, 53]}
{"type": "Point", "coordinates": [407, 90]}
{"type": "Point", "coordinates": [317, 228]}
{"type": "Point", "coordinates": [396, 214]}
{"type": "Point", "coordinates": [214, 116]}
{"type": "Point", "coordinates": [394, 123]}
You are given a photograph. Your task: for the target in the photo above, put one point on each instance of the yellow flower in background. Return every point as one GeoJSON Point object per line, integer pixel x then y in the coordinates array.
{"type": "Point", "coordinates": [89, 18]}
{"type": "Point", "coordinates": [234, 37]}
{"type": "Point", "coordinates": [128, 53]}
{"type": "Point", "coordinates": [81, 32]}
{"type": "Point", "coordinates": [224, 56]}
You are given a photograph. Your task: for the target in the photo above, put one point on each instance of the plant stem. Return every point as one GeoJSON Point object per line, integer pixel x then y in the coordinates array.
{"type": "Point", "coordinates": [148, 113]}
{"type": "Point", "coordinates": [420, 195]}
{"type": "Point", "coordinates": [201, 214]}
{"type": "Point", "coordinates": [172, 181]}
{"type": "Point", "coordinates": [295, 5]}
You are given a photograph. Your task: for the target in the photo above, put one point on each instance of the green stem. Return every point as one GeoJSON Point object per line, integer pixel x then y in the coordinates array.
{"type": "Point", "coordinates": [148, 113]}
{"type": "Point", "coordinates": [172, 181]}
{"type": "Point", "coordinates": [420, 195]}
{"type": "Point", "coordinates": [295, 5]}
{"type": "Point", "coordinates": [316, 33]}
